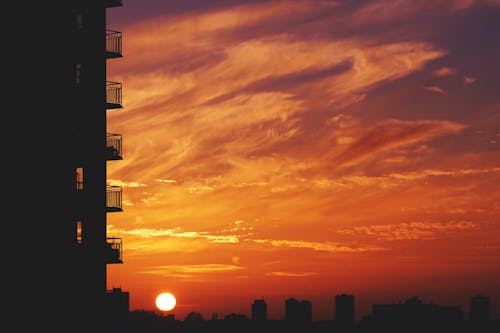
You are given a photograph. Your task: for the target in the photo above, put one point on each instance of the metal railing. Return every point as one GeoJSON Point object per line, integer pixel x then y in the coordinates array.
{"type": "Point", "coordinates": [113, 95]}
{"type": "Point", "coordinates": [113, 250]}
{"type": "Point", "coordinates": [113, 146]}
{"type": "Point", "coordinates": [113, 43]}
{"type": "Point", "coordinates": [114, 198]}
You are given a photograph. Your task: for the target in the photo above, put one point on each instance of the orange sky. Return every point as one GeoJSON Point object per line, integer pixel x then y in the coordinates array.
{"type": "Point", "coordinates": [303, 149]}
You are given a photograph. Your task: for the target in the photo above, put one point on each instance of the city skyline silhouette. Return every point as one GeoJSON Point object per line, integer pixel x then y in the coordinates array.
{"type": "Point", "coordinates": [409, 315]}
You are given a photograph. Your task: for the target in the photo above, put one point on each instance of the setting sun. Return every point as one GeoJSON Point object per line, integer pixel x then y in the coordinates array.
{"type": "Point", "coordinates": [165, 301]}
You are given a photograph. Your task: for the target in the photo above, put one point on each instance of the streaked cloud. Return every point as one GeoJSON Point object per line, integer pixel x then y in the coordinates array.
{"type": "Point", "coordinates": [445, 71]}
{"type": "Point", "coordinates": [191, 270]}
{"type": "Point", "coordinates": [291, 274]}
{"type": "Point", "coordinates": [168, 181]}
{"type": "Point", "coordinates": [435, 89]}
{"type": "Point", "coordinates": [116, 182]}
{"type": "Point", "coordinates": [319, 246]}
{"type": "Point", "coordinates": [411, 230]}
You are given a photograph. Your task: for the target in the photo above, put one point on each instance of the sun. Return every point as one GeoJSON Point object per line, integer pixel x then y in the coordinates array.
{"type": "Point", "coordinates": [165, 301]}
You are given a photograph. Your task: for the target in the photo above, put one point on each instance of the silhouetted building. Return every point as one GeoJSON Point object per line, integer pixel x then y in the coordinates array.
{"type": "Point", "coordinates": [479, 309]}
{"type": "Point", "coordinates": [344, 309]}
{"type": "Point", "coordinates": [117, 304]}
{"type": "Point", "coordinates": [235, 317]}
{"type": "Point", "coordinates": [193, 317]}
{"type": "Point", "coordinates": [259, 310]}
{"type": "Point", "coordinates": [92, 147]}
{"type": "Point", "coordinates": [59, 157]}
{"type": "Point", "coordinates": [414, 313]}
{"type": "Point", "coordinates": [298, 312]}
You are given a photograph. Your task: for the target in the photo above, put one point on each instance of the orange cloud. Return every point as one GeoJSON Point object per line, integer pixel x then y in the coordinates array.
{"type": "Point", "coordinates": [320, 246]}
{"type": "Point", "coordinates": [390, 134]}
{"type": "Point", "coordinates": [411, 230]}
{"type": "Point", "coordinates": [291, 274]}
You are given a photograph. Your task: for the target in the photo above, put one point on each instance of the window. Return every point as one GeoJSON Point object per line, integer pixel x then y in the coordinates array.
{"type": "Point", "coordinates": [79, 178]}
{"type": "Point", "coordinates": [79, 232]}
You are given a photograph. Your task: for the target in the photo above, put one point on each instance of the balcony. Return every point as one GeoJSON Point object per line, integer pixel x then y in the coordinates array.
{"type": "Point", "coordinates": [113, 146]}
{"type": "Point", "coordinates": [113, 44]}
{"type": "Point", "coordinates": [114, 198]}
{"type": "Point", "coordinates": [114, 250]}
{"type": "Point", "coordinates": [113, 95]}
{"type": "Point", "coordinates": [114, 3]}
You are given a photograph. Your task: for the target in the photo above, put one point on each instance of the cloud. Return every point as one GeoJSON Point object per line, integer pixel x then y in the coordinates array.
{"type": "Point", "coordinates": [191, 270]}
{"type": "Point", "coordinates": [291, 274]}
{"type": "Point", "coordinates": [440, 173]}
{"type": "Point", "coordinates": [168, 181]}
{"type": "Point", "coordinates": [178, 233]}
{"type": "Point", "coordinates": [411, 230]}
{"type": "Point", "coordinates": [116, 182]}
{"type": "Point", "coordinates": [404, 10]}
{"type": "Point", "coordinates": [445, 71]}
{"type": "Point", "coordinates": [435, 89]}
{"type": "Point", "coordinates": [389, 134]}
{"type": "Point", "coordinates": [319, 246]}
{"type": "Point", "coordinates": [468, 80]}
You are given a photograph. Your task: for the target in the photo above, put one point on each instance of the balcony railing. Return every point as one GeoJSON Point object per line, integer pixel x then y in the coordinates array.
{"type": "Point", "coordinates": [113, 146]}
{"type": "Point", "coordinates": [114, 198]}
{"type": "Point", "coordinates": [113, 44]}
{"type": "Point", "coordinates": [114, 250]}
{"type": "Point", "coordinates": [113, 95]}
{"type": "Point", "coordinates": [114, 3]}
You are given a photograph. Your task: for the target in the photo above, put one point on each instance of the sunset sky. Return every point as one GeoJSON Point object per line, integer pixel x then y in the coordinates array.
{"type": "Point", "coordinates": [277, 149]}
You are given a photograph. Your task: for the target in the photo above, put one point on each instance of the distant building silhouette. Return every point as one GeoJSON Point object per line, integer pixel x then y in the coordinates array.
{"type": "Point", "coordinates": [414, 313]}
{"type": "Point", "coordinates": [193, 317]}
{"type": "Point", "coordinates": [479, 309]}
{"type": "Point", "coordinates": [344, 309]}
{"type": "Point", "coordinates": [259, 310]}
{"type": "Point", "coordinates": [117, 304]}
{"type": "Point", "coordinates": [298, 312]}
{"type": "Point", "coordinates": [235, 317]}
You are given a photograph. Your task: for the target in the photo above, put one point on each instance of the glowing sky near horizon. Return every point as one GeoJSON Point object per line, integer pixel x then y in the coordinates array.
{"type": "Point", "coordinates": [303, 149]}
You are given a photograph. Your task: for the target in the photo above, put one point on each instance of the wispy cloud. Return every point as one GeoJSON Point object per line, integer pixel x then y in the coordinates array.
{"type": "Point", "coordinates": [468, 80]}
{"type": "Point", "coordinates": [445, 71]}
{"type": "Point", "coordinates": [116, 182]}
{"type": "Point", "coordinates": [191, 270]}
{"type": "Point", "coordinates": [411, 230]}
{"type": "Point", "coordinates": [291, 274]}
{"type": "Point", "coordinates": [319, 246]}
{"type": "Point", "coordinates": [168, 181]}
{"type": "Point", "coordinates": [177, 232]}
{"type": "Point", "coordinates": [390, 134]}
{"type": "Point", "coordinates": [435, 89]}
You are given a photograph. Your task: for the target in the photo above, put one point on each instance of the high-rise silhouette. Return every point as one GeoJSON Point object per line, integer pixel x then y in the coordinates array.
{"type": "Point", "coordinates": [58, 157]}
{"type": "Point", "coordinates": [93, 95]}
{"type": "Point", "coordinates": [259, 310]}
{"type": "Point", "coordinates": [479, 309]}
{"type": "Point", "coordinates": [298, 312]}
{"type": "Point", "coordinates": [344, 309]}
